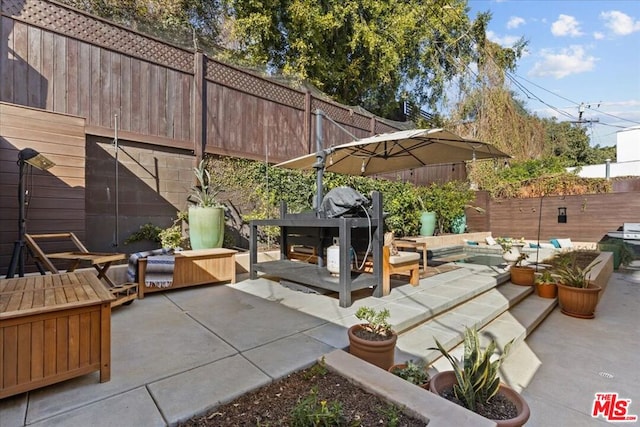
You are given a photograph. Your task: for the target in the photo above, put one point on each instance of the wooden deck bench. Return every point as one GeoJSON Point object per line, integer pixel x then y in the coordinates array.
{"type": "Point", "coordinates": [193, 268]}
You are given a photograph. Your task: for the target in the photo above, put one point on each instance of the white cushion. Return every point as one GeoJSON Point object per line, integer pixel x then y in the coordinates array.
{"type": "Point", "coordinates": [565, 243]}
{"type": "Point", "coordinates": [544, 245]}
{"type": "Point", "coordinates": [491, 241]}
{"type": "Point", "coordinates": [403, 257]}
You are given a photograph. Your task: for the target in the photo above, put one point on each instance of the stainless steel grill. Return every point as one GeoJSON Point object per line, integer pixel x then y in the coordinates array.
{"type": "Point", "coordinates": [631, 231]}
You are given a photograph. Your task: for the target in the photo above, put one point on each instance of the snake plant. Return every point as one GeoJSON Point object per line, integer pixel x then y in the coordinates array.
{"type": "Point", "coordinates": [476, 374]}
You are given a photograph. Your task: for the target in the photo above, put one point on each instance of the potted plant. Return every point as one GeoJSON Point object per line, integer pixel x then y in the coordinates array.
{"type": "Point", "coordinates": [474, 383]}
{"type": "Point", "coordinates": [427, 216]}
{"type": "Point", "coordinates": [172, 237]}
{"type": "Point", "coordinates": [415, 373]}
{"type": "Point", "coordinates": [446, 204]}
{"type": "Point", "coordinates": [510, 251]}
{"type": "Point", "coordinates": [577, 296]}
{"type": "Point", "coordinates": [206, 215]}
{"type": "Point", "coordinates": [374, 340]}
{"type": "Point", "coordinates": [522, 274]}
{"type": "Point", "coordinates": [546, 286]}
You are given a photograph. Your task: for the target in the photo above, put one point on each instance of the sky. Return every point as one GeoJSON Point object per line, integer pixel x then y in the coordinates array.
{"type": "Point", "coordinates": [580, 52]}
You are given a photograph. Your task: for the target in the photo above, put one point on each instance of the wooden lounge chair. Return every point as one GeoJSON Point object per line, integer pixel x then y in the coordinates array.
{"type": "Point", "coordinates": [124, 293]}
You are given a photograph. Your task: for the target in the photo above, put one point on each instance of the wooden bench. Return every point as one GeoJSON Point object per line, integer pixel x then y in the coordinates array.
{"type": "Point", "coordinates": [52, 328]}
{"type": "Point", "coordinates": [193, 268]}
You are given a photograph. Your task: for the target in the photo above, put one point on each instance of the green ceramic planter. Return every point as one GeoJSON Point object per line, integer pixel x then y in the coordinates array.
{"type": "Point", "coordinates": [206, 227]}
{"type": "Point", "coordinates": [427, 223]}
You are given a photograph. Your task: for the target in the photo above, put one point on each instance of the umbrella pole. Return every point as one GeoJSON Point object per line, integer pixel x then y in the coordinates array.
{"type": "Point", "coordinates": [319, 165]}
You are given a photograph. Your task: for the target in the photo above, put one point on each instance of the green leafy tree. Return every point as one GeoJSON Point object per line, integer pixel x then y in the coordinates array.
{"type": "Point", "coordinates": [360, 52]}
{"type": "Point", "coordinates": [165, 18]}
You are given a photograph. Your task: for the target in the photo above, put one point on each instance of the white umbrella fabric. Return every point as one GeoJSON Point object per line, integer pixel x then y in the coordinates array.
{"type": "Point", "coordinates": [395, 151]}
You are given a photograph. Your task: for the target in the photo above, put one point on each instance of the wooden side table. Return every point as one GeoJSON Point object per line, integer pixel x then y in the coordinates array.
{"type": "Point", "coordinates": [52, 328]}
{"type": "Point", "coordinates": [415, 243]}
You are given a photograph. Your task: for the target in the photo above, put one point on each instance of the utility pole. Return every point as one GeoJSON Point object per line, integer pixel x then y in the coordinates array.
{"type": "Point", "coordinates": [581, 109]}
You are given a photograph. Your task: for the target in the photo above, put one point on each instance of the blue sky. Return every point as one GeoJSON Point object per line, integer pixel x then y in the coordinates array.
{"type": "Point", "coordinates": [579, 51]}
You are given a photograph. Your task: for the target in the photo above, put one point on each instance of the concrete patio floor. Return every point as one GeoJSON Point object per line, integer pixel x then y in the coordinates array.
{"type": "Point", "coordinates": [178, 353]}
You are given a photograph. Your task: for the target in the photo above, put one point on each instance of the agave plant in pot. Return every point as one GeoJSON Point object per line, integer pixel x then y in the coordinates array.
{"type": "Point", "coordinates": [474, 383]}
{"type": "Point", "coordinates": [206, 215]}
{"type": "Point", "coordinates": [577, 296]}
{"type": "Point", "coordinates": [374, 340]}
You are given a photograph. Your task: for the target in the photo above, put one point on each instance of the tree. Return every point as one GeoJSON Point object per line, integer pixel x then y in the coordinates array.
{"type": "Point", "coordinates": [371, 53]}
{"type": "Point", "coordinates": [160, 17]}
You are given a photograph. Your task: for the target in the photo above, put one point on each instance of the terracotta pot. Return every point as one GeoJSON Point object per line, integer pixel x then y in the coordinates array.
{"type": "Point", "coordinates": [379, 353]}
{"type": "Point", "coordinates": [547, 290]}
{"type": "Point", "coordinates": [424, 385]}
{"type": "Point", "coordinates": [443, 380]}
{"type": "Point", "coordinates": [578, 302]}
{"type": "Point", "coordinates": [524, 276]}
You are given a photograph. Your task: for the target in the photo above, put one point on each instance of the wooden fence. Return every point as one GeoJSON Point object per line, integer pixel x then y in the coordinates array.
{"type": "Point", "coordinates": [56, 58]}
{"type": "Point", "coordinates": [589, 216]}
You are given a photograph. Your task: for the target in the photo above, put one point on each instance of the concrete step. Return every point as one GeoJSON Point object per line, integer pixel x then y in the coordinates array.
{"type": "Point", "coordinates": [448, 327]}
{"type": "Point", "coordinates": [515, 324]}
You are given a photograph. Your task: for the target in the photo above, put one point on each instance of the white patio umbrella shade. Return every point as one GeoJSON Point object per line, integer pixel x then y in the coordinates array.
{"type": "Point", "coordinates": [395, 151]}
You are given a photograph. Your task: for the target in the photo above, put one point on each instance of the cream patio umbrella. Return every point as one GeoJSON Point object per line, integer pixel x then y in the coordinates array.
{"type": "Point", "coordinates": [391, 152]}
{"type": "Point", "coordinates": [395, 151]}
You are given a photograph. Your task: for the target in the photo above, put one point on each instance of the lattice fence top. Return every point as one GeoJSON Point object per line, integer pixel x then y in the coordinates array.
{"type": "Point", "coordinates": [72, 23]}
{"type": "Point", "coordinates": [247, 82]}
{"type": "Point", "coordinates": [341, 114]}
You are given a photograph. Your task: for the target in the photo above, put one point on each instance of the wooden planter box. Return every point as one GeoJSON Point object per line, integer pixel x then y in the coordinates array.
{"type": "Point", "coordinates": [53, 328]}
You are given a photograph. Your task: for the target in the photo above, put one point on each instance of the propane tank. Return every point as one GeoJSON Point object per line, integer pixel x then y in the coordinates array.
{"type": "Point", "coordinates": [333, 258]}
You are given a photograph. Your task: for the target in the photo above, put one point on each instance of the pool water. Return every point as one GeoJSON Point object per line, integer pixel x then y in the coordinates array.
{"type": "Point", "coordinates": [490, 260]}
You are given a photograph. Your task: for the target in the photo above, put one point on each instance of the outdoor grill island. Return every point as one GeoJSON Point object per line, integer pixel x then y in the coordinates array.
{"type": "Point", "coordinates": [309, 229]}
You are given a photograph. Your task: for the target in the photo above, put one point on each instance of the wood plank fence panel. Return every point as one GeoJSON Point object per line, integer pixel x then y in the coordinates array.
{"type": "Point", "coordinates": [57, 195]}
{"type": "Point", "coordinates": [589, 217]}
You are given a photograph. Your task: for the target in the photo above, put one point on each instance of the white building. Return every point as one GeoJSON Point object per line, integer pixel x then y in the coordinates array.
{"type": "Point", "coordinates": [628, 157]}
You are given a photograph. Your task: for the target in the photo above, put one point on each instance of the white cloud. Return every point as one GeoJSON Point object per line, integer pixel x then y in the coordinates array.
{"type": "Point", "coordinates": [515, 22]}
{"type": "Point", "coordinates": [566, 25]}
{"type": "Point", "coordinates": [598, 35]}
{"type": "Point", "coordinates": [559, 64]}
{"type": "Point", "coordinates": [620, 23]}
{"type": "Point", "coordinates": [504, 41]}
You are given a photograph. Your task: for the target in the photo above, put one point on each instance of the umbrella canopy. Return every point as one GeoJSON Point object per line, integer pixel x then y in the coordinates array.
{"type": "Point", "coordinates": [395, 151]}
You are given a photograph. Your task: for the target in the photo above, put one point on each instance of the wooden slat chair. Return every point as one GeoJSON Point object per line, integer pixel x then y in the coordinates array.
{"type": "Point", "coordinates": [124, 293]}
{"type": "Point", "coordinates": [398, 262]}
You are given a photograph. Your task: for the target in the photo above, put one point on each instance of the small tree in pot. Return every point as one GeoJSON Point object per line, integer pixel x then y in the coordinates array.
{"type": "Point", "coordinates": [374, 340]}
{"type": "Point", "coordinates": [522, 274]}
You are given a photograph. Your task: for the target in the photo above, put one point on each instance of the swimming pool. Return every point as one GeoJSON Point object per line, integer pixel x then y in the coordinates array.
{"type": "Point", "coordinates": [490, 260]}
